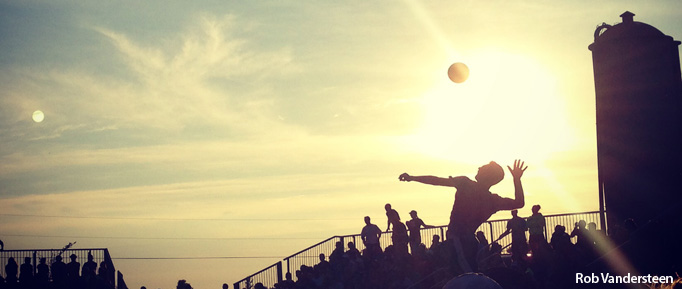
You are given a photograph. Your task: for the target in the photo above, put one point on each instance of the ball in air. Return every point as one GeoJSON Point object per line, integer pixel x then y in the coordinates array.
{"type": "Point", "coordinates": [458, 72]}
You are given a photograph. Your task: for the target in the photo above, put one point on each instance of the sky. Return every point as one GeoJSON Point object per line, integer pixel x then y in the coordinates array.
{"type": "Point", "coordinates": [258, 128]}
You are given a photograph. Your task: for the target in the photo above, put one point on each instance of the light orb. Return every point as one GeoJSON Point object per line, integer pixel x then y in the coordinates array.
{"type": "Point", "coordinates": [38, 116]}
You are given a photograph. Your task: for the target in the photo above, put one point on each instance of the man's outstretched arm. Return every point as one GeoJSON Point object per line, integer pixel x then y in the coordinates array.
{"type": "Point", "coordinates": [519, 200]}
{"type": "Point", "coordinates": [429, 180]}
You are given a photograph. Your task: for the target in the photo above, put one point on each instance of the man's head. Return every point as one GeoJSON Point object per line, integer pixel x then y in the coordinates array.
{"type": "Point", "coordinates": [582, 224]}
{"type": "Point", "coordinates": [592, 226]}
{"type": "Point", "coordinates": [367, 220]}
{"type": "Point", "coordinates": [515, 213]}
{"type": "Point", "coordinates": [387, 207]}
{"type": "Point", "coordinates": [490, 174]}
{"type": "Point", "coordinates": [536, 209]}
{"type": "Point", "coordinates": [413, 214]}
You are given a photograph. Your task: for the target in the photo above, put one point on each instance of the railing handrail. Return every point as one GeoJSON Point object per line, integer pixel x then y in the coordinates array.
{"type": "Point", "coordinates": [261, 271]}
{"type": "Point", "coordinates": [50, 250]}
{"type": "Point", "coordinates": [553, 215]}
{"type": "Point", "coordinates": [439, 226]}
{"type": "Point", "coordinates": [310, 247]}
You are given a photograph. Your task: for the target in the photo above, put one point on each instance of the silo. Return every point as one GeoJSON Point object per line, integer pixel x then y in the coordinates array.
{"type": "Point", "coordinates": [639, 128]}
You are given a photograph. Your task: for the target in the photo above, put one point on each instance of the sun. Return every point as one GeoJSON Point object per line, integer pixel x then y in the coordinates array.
{"type": "Point", "coordinates": [508, 108]}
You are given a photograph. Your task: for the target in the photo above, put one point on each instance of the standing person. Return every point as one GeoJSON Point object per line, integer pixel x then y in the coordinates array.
{"type": "Point", "coordinates": [89, 270]}
{"type": "Point", "coordinates": [392, 216]}
{"type": "Point", "coordinates": [370, 238]}
{"type": "Point", "coordinates": [73, 270]}
{"type": "Point", "coordinates": [399, 238]}
{"type": "Point", "coordinates": [414, 227]}
{"type": "Point", "coordinates": [536, 230]}
{"type": "Point", "coordinates": [26, 273]}
{"type": "Point", "coordinates": [474, 204]}
{"type": "Point", "coordinates": [58, 270]}
{"type": "Point", "coordinates": [11, 270]}
{"type": "Point", "coordinates": [43, 273]}
{"type": "Point", "coordinates": [517, 227]}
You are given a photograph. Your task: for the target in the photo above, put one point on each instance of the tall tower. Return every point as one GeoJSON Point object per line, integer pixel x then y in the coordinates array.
{"type": "Point", "coordinates": [639, 127]}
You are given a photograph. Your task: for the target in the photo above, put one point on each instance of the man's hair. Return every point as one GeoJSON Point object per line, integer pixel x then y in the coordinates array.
{"type": "Point", "coordinates": [493, 173]}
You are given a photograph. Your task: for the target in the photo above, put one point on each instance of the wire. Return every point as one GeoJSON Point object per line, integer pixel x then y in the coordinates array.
{"type": "Point", "coordinates": [166, 238]}
{"type": "Point", "coordinates": [167, 219]}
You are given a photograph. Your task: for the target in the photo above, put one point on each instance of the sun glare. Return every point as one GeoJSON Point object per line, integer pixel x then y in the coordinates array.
{"type": "Point", "coordinates": [508, 108]}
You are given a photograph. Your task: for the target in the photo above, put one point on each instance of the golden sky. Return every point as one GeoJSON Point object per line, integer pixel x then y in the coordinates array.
{"type": "Point", "coordinates": [257, 129]}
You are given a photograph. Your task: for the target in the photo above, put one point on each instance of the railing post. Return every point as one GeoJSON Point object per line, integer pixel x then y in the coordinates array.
{"type": "Point", "coordinates": [288, 266]}
{"type": "Point", "coordinates": [236, 285]}
{"type": "Point", "coordinates": [492, 236]}
{"type": "Point", "coordinates": [35, 263]}
{"type": "Point", "coordinates": [279, 272]}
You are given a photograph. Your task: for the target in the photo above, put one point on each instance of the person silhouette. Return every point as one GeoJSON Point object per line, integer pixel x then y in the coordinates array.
{"type": "Point", "coordinates": [353, 254]}
{"type": "Point", "coordinates": [323, 268]}
{"type": "Point", "coordinates": [482, 240]}
{"type": "Point", "coordinates": [370, 238]}
{"type": "Point", "coordinates": [73, 269]}
{"type": "Point", "coordinates": [26, 273]}
{"type": "Point", "coordinates": [579, 231]}
{"type": "Point", "coordinates": [560, 241]}
{"type": "Point", "coordinates": [536, 229]}
{"type": "Point", "coordinates": [414, 226]}
{"type": "Point", "coordinates": [517, 227]}
{"type": "Point", "coordinates": [474, 204]}
{"type": "Point", "coordinates": [392, 216]}
{"type": "Point", "coordinates": [58, 270]}
{"type": "Point", "coordinates": [43, 273]}
{"type": "Point", "coordinates": [435, 242]}
{"type": "Point", "coordinates": [11, 270]}
{"type": "Point", "coordinates": [89, 270]}
{"type": "Point", "coordinates": [399, 238]}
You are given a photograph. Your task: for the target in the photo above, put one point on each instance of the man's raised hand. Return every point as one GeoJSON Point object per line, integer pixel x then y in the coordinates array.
{"type": "Point", "coordinates": [518, 169]}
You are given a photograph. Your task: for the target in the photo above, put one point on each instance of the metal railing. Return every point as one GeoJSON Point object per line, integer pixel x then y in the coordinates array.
{"type": "Point", "coordinates": [99, 255]}
{"type": "Point", "coordinates": [268, 277]}
{"type": "Point", "coordinates": [491, 229]}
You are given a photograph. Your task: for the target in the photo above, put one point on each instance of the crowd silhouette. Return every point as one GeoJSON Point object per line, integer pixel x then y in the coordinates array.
{"type": "Point", "coordinates": [534, 263]}
{"type": "Point", "coordinates": [57, 275]}
{"type": "Point", "coordinates": [465, 256]}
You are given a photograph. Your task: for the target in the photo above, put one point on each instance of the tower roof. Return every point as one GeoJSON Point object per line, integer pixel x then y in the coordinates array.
{"type": "Point", "coordinates": [628, 29]}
